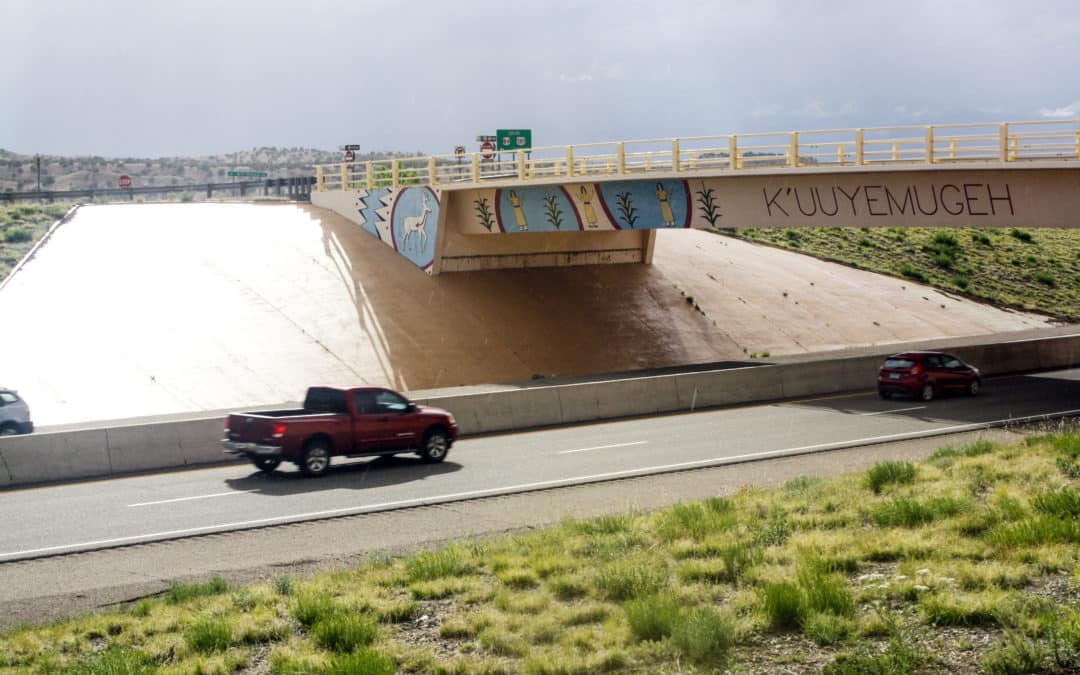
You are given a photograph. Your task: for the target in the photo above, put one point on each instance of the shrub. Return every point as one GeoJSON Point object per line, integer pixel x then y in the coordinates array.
{"type": "Point", "coordinates": [825, 592]}
{"type": "Point", "coordinates": [912, 273]}
{"type": "Point", "coordinates": [178, 593]}
{"type": "Point", "coordinates": [1036, 531]}
{"type": "Point", "coordinates": [898, 659]}
{"type": "Point", "coordinates": [827, 629]}
{"type": "Point", "coordinates": [1016, 654]}
{"type": "Point", "coordinates": [888, 473]}
{"type": "Point", "coordinates": [906, 512]}
{"type": "Point", "coordinates": [980, 238]}
{"type": "Point", "coordinates": [18, 235]}
{"type": "Point", "coordinates": [602, 525]}
{"type": "Point", "coordinates": [1045, 278]}
{"type": "Point", "coordinates": [284, 586]}
{"type": "Point", "coordinates": [1021, 235]}
{"type": "Point", "coordinates": [654, 617]}
{"type": "Point", "coordinates": [783, 605]}
{"type": "Point", "coordinates": [343, 634]}
{"type": "Point", "coordinates": [209, 635]}
{"type": "Point", "coordinates": [704, 635]}
{"type": "Point", "coordinates": [1064, 503]}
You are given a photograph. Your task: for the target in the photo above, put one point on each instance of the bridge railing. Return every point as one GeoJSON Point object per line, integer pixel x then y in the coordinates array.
{"type": "Point", "coordinates": [909, 144]}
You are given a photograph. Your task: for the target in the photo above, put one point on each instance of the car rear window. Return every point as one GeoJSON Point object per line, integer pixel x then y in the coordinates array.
{"type": "Point", "coordinates": [899, 363]}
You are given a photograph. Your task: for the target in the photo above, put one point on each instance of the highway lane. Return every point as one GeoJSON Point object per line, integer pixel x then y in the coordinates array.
{"type": "Point", "coordinates": [65, 518]}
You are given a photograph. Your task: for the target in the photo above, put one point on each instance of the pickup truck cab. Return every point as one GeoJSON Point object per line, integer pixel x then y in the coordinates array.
{"type": "Point", "coordinates": [353, 422]}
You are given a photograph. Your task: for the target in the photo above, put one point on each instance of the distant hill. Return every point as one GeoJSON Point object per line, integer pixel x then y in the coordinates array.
{"type": "Point", "coordinates": [18, 173]}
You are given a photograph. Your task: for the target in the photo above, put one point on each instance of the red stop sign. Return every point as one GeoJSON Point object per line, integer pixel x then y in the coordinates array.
{"type": "Point", "coordinates": [487, 150]}
{"type": "Point", "coordinates": [125, 181]}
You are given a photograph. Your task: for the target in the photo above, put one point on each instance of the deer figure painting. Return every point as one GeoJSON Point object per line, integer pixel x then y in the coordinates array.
{"type": "Point", "coordinates": [416, 225]}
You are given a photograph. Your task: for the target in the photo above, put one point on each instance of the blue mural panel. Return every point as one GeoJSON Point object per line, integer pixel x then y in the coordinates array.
{"type": "Point", "coordinates": [646, 205]}
{"type": "Point", "coordinates": [413, 224]}
{"type": "Point", "coordinates": [536, 209]}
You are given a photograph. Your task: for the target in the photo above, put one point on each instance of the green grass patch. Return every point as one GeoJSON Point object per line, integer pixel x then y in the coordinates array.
{"type": "Point", "coordinates": [179, 593]}
{"type": "Point", "coordinates": [209, 635]}
{"type": "Point", "coordinates": [344, 633]}
{"type": "Point", "coordinates": [889, 473]}
{"type": "Point", "coordinates": [654, 617]}
{"type": "Point", "coordinates": [905, 512]}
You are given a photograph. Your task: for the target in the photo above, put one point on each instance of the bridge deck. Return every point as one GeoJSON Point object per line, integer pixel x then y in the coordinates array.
{"type": "Point", "coordinates": [969, 145]}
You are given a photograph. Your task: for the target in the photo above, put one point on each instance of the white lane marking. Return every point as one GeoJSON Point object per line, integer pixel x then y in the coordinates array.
{"type": "Point", "coordinates": [188, 499]}
{"type": "Point", "coordinates": [524, 487]}
{"type": "Point", "coordinates": [602, 447]}
{"type": "Point", "coordinates": [889, 412]}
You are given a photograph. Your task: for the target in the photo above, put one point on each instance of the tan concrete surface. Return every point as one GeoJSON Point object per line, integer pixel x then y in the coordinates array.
{"type": "Point", "coordinates": [133, 310]}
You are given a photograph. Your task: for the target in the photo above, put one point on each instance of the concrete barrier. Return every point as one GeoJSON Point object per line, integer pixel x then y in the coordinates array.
{"type": "Point", "coordinates": [56, 456]}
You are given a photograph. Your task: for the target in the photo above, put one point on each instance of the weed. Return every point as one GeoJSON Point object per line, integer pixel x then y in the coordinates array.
{"type": "Point", "coordinates": [311, 608]}
{"type": "Point", "coordinates": [1063, 503]}
{"type": "Point", "coordinates": [1021, 235]}
{"type": "Point", "coordinates": [630, 579]}
{"type": "Point", "coordinates": [178, 593]}
{"type": "Point", "coordinates": [362, 662]}
{"type": "Point", "coordinates": [889, 473]}
{"type": "Point", "coordinates": [115, 661]}
{"type": "Point", "coordinates": [1045, 278]}
{"type": "Point", "coordinates": [1016, 654]}
{"type": "Point", "coordinates": [209, 635]}
{"type": "Point", "coordinates": [783, 605]}
{"type": "Point", "coordinates": [898, 659]}
{"type": "Point", "coordinates": [437, 564]}
{"type": "Point", "coordinates": [1036, 531]}
{"type": "Point", "coordinates": [343, 634]}
{"type": "Point", "coordinates": [704, 635]}
{"type": "Point", "coordinates": [828, 629]}
{"type": "Point", "coordinates": [653, 617]}
{"type": "Point", "coordinates": [567, 588]}
{"type": "Point", "coordinates": [824, 592]}
{"type": "Point", "coordinates": [905, 512]}
{"type": "Point", "coordinates": [284, 586]}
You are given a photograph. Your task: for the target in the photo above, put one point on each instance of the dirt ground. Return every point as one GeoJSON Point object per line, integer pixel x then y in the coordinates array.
{"type": "Point", "coordinates": [148, 309]}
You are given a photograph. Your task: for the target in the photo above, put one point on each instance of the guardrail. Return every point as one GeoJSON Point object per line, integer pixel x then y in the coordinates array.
{"type": "Point", "coordinates": [115, 451]}
{"type": "Point", "coordinates": [295, 186]}
{"type": "Point", "coordinates": [937, 144]}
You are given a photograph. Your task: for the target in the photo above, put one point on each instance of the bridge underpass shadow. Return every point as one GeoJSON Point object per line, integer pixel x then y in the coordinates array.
{"type": "Point", "coordinates": [503, 326]}
{"type": "Point", "coordinates": [360, 474]}
{"type": "Point", "coordinates": [1001, 398]}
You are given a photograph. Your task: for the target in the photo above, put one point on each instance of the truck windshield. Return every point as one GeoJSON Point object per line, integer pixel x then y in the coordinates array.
{"type": "Point", "coordinates": [325, 400]}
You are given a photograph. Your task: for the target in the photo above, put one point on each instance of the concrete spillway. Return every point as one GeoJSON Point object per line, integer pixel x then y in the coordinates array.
{"type": "Point", "coordinates": [146, 309]}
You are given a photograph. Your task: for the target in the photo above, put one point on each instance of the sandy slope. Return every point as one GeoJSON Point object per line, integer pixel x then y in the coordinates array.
{"type": "Point", "coordinates": [143, 309]}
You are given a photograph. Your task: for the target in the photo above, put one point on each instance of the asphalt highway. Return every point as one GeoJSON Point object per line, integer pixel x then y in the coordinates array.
{"type": "Point", "coordinates": [68, 518]}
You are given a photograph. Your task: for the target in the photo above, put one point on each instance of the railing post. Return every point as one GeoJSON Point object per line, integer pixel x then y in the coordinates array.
{"type": "Point", "coordinates": [648, 162]}
{"type": "Point", "coordinates": [929, 145]}
{"type": "Point", "coordinates": [952, 149]}
{"type": "Point", "coordinates": [394, 173]}
{"type": "Point", "coordinates": [840, 154]}
{"type": "Point", "coordinates": [370, 169]}
{"type": "Point", "coordinates": [693, 160]}
{"type": "Point", "coordinates": [733, 153]}
{"type": "Point", "coordinates": [620, 153]}
{"type": "Point", "coordinates": [1003, 141]}
{"type": "Point", "coordinates": [344, 175]}
{"type": "Point", "coordinates": [521, 164]}
{"type": "Point", "coordinates": [1014, 152]}
{"type": "Point", "coordinates": [431, 170]}
{"type": "Point", "coordinates": [1078, 144]}
{"type": "Point", "coordinates": [860, 158]}
{"type": "Point", "coordinates": [569, 160]}
{"type": "Point", "coordinates": [793, 160]}
{"type": "Point", "coordinates": [896, 152]}
{"type": "Point", "coordinates": [319, 178]}
{"type": "Point", "coordinates": [675, 155]}
{"type": "Point", "coordinates": [476, 167]}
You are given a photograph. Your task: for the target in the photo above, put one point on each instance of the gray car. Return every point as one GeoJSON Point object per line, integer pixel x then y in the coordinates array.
{"type": "Point", "coordinates": [14, 414]}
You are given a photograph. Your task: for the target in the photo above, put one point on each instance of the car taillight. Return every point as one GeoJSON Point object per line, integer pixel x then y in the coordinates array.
{"type": "Point", "coordinates": [279, 430]}
{"type": "Point", "coordinates": [916, 369]}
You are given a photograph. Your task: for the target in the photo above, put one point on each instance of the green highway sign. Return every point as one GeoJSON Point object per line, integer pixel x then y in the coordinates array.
{"type": "Point", "coordinates": [247, 174]}
{"type": "Point", "coordinates": [514, 139]}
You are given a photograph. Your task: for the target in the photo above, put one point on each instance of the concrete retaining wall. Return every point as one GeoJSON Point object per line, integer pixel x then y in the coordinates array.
{"type": "Point", "coordinates": [67, 455]}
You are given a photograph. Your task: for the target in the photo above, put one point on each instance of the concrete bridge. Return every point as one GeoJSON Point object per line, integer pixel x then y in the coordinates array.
{"type": "Point", "coordinates": [602, 202]}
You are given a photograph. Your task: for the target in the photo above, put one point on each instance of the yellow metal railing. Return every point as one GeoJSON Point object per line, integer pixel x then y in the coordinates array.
{"type": "Point", "coordinates": [938, 144]}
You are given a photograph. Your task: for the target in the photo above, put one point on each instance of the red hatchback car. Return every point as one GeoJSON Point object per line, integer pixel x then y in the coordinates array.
{"type": "Point", "coordinates": [926, 374]}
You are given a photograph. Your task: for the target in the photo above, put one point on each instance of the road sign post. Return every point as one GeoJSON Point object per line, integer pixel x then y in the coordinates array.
{"type": "Point", "coordinates": [124, 182]}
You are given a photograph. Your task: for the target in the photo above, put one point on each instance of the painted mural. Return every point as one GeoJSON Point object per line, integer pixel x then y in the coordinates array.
{"type": "Point", "coordinates": [624, 205]}
{"type": "Point", "coordinates": [405, 219]}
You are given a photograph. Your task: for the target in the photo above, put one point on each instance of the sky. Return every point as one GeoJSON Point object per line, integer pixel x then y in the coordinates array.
{"type": "Point", "coordinates": [153, 78]}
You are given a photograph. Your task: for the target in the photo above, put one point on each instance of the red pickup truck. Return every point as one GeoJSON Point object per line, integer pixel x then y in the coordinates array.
{"type": "Point", "coordinates": [351, 422]}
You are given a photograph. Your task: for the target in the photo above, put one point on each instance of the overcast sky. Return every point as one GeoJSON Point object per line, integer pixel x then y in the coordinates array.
{"type": "Point", "coordinates": [150, 78]}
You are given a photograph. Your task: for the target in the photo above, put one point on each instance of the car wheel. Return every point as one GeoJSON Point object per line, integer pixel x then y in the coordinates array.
{"type": "Point", "coordinates": [884, 394]}
{"type": "Point", "coordinates": [316, 459]}
{"type": "Point", "coordinates": [435, 447]}
{"type": "Point", "coordinates": [8, 430]}
{"type": "Point", "coordinates": [927, 392]}
{"type": "Point", "coordinates": [973, 387]}
{"type": "Point", "coordinates": [266, 464]}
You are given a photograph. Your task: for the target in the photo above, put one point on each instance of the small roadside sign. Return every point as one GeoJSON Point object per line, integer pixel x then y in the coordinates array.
{"type": "Point", "coordinates": [487, 150]}
{"type": "Point", "coordinates": [351, 146]}
{"type": "Point", "coordinates": [350, 156]}
{"type": "Point", "coordinates": [514, 139]}
{"type": "Point", "coordinates": [124, 182]}
{"type": "Point", "coordinates": [246, 174]}
{"type": "Point", "coordinates": [486, 139]}
{"type": "Point", "coordinates": [459, 150]}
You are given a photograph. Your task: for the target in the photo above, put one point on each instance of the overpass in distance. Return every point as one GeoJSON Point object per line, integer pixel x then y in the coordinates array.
{"type": "Point", "coordinates": [602, 203]}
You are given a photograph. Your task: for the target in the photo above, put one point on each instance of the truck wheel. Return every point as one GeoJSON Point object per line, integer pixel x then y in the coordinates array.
{"type": "Point", "coordinates": [316, 459]}
{"type": "Point", "coordinates": [973, 387]}
{"type": "Point", "coordinates": [8, 430]}
{"type": "Point", "coordinates": [435, 446]}
{"type": "Point", "coordinates": [266, 464]}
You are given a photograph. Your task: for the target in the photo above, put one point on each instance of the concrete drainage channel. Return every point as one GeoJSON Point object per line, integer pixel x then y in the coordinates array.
{"type": "Point", "coordinates": [131, 448]}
